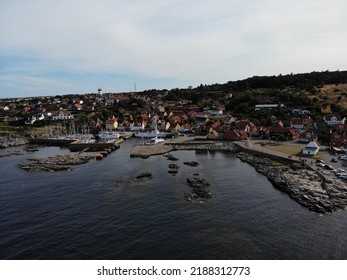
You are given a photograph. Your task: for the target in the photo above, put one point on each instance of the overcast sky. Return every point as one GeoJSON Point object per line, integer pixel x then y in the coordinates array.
{"type": "Point", "coordinates": [75, 46]}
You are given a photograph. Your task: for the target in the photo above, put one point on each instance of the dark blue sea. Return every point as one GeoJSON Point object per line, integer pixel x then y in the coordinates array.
{"type": "Point", "coordinates": [99, 211]}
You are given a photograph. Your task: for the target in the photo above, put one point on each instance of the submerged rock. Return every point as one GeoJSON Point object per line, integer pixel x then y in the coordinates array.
{"type": "Point", "coordinates": [173, 169]}
{"type": "Point", "coordinates": [191, 163]}
{"type": "Point", "coordinates": [170, 157]}
{"type": "Point", "coordinates": [144, 175]}
{"type": "Point", "coordinates": [200, 189]}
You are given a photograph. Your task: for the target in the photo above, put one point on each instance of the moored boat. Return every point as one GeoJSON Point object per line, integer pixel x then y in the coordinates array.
{"type": "Point", "coordinates": [108, 135]}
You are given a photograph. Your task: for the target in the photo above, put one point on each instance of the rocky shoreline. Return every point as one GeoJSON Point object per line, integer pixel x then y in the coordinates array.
{"type": "Point", "coordinates": [56, 163]}
{"type": "Point", "coordinates": [12, 141]}
{"type": "Point", "coordinates": [311, 189]}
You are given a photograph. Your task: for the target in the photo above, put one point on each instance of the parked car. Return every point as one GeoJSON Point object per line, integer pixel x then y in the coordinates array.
{"type": "Point", "coordinates": [327, 166]}
{"type": "Point", "coordinates": [320, 164]}
{"type": "Point", "coordinates": [334, 160]}
{"type": "Point", "coordinates": [320, 161]}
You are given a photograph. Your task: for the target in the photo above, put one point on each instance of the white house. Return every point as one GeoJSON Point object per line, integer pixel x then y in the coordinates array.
{"type": "Point", "coordinates": [333, 119]}
{"type": "Point", "coordinates": [311, 149]}
{"type": "Point", "coordinates": [63, 115]}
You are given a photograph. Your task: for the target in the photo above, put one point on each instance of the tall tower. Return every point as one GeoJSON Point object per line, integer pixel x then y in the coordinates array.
{"type": "Point", "coordinates": [100, 91]}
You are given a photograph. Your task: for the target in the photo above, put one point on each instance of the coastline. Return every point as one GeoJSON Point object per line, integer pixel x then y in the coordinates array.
{"type": "Point", "coordinates": [318, 191]}
{"type": "Point", "coordinates": [315, 190]}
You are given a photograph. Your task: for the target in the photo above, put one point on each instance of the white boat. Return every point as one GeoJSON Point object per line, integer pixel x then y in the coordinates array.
{"type": "Point", "coordinates": [108, 136]}
{"type": "Point", "coordinates": [155, 140]}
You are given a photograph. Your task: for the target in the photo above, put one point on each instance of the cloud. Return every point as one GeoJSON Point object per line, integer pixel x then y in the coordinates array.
{"type": "Point", "coordinates": [182, 40]}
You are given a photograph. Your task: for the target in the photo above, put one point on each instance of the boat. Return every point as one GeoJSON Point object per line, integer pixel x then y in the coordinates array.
{"type": "Point", "coordinates": [108, 135]}
{"type": "Point", "coordinates": [155, 140]}
{"type": "Point", "coordinates": [99, 156]}
{"type": "Point", "coordinates": [32, 149]}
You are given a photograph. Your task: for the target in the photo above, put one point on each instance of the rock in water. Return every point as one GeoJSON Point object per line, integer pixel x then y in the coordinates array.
{"type": "Point", "coordinates": [57, 163]}
{"type": "Point", "coordinates": [170, 157]}
{"type": "Point", "coordinates": [200, 190]}
{"type": "Point", "coordinates": [144, 175]}
{"type": "Point", "coordinates": [191, 163]}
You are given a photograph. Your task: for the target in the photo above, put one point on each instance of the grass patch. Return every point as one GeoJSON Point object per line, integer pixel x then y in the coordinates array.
{"type": "Point", "coordinates": [276, 163]}
{"type": "Point", "coordinates": [293, 150]}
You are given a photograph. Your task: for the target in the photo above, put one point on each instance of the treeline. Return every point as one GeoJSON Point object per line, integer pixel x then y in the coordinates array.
{"type": "Point", "coordinates": [305, 81]}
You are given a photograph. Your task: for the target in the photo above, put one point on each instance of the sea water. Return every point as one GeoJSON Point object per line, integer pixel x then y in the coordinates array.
{"type": "Point", "coordinates": [99, 210]}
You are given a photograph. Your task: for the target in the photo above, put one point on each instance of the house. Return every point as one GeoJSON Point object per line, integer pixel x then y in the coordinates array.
{"type": "Point", "coordinates": [307, 136]}
{"type": "Point", "coordinates": [311, 149]}
{"type": "Point", "coordinates": [284, 133]}
{"type": "Point", "coordinates": [78, 106]}
{"type": "Point", "coordinates": [340, 128]}
{"type": "Point", "coordinates": [111, 124]}
{"type": "Point", "coordinates": [298, 124]}
{"type": "Point", "coordinates": [338, 140]}
{"type": "Point", "coordinates": [233, 135]}
{"type": "Point", "coordinates": [334, 119]}
{"type": "Point", "coordinates": [63, 115]}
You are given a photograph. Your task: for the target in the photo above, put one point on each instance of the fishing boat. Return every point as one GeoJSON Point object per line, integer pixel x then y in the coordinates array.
{"type": "Point", "coordinates": [32, 149]}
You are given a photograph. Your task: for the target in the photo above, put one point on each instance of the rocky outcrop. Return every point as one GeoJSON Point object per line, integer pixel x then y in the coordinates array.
{"type": "Point", "coordinates": [317, 191]}
{"type": "Point", "coordinates": [170, 157]}
{"type": "Point", "coordinates": [200, 190]}
{"type": "Point", "coordinates": [12, 141]}
{"type": "Point", "coordinates": [56, 163]}
{"type": "Point", "coordinates": [191, 163]}
{"type": "Point", "coordinates": [173, 169]}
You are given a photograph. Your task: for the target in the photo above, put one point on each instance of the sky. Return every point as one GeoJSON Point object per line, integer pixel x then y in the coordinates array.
{"type": "Point", "coordinates": [62, 47]}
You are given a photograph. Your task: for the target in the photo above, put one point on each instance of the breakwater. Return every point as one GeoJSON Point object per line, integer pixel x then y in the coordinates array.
{"type": "Point", "coordinates": [51, 141]}
{"type": "Point", "coordinates": [145, 151]}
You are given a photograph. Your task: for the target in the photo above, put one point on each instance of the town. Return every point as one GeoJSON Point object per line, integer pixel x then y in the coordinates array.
{"type": "Point", "coordinates": [241, 110]}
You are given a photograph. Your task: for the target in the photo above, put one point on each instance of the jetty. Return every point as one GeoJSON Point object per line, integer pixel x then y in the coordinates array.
{"type": "Point", "coordinates": [78, 145]}
{"type": "Point", "coordinates": [180, 143]}
{"type": "Point", "coordinates": [61, 142]}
